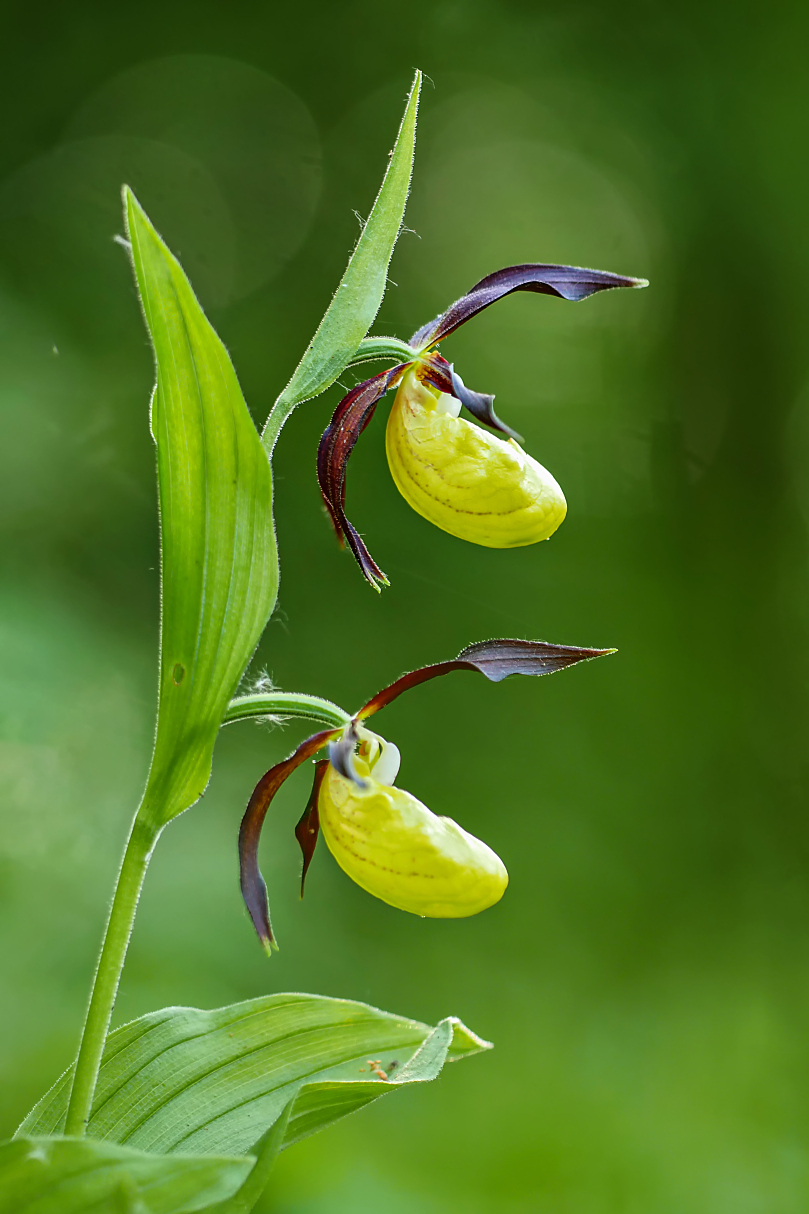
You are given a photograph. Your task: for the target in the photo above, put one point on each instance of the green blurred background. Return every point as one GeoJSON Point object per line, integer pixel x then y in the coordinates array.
{"type": "Point", "coordinates": [646, 977]}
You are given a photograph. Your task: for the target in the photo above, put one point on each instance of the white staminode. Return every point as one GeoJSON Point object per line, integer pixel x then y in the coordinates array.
{"type": "Point", "coordinates": [386, 768]}
{"type": "Point", "coordinates": [448, 404]}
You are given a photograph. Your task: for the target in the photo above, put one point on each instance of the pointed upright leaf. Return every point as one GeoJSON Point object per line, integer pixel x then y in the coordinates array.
{"type": "Point", "coordinates": [219, 559]}
{"type": "Point", "coordinates": [356, 302]}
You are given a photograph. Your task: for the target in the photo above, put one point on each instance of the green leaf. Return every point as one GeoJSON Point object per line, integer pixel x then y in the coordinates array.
{"type": "Point", "coordinates": [195, 1081]}
{"type": "Point", "coordinates": [219, 559]}
{"type": "Point", "coordinates": [82, 1176]}
{"type": "Point", "coordinates": [356, 302]}
{"type": "Point", "coordinates": [266, 1151]}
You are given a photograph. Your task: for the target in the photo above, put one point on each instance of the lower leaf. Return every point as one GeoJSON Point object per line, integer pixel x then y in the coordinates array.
{"type": "Point", "coordinates": [84, 1176]}
{"type": "Point", "coordinates": [195, 1082]}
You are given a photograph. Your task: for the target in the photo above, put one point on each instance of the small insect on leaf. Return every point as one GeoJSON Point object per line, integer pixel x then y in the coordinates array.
{"type": "Point", "coordinates": [375, 1066]}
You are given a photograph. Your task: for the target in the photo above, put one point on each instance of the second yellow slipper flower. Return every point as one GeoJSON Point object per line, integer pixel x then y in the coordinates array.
{"type": "Point", "coordinates": [383, 837]}
{"type": "Point", "coordinates": [465, 480]}
{"type": "Point", "coordinates": [399, 850]}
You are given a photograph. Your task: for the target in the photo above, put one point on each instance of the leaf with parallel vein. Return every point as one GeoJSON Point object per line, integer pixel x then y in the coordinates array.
{"type": "Point", "coordinates": [190, 1081]}
{"type": "Point", "coordinates": [219, 561]}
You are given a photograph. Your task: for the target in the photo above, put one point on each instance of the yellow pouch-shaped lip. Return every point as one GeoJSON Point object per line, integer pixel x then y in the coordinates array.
{"type": "Point", "coordinates": [464, 479]}
{"type": "Point", "coordinates": [398, 850]}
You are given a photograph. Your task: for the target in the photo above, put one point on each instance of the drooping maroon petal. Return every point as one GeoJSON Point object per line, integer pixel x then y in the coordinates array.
{"type": "Point", "coordinates": [442, 375]}
{"type": "Point", "coordinates": [306, 831]}
{"type": "Point", "coordinates": [350, 418]}
{"type": "Point", "coordinates": [254, 890]}
{"type": "Point", "coordinates": [495, 659]}
{"type": "Point", "coordinates": [566, 282]}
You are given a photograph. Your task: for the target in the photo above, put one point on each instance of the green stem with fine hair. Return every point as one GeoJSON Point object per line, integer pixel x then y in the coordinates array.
{"type": "Point", "coordinates": [389, 348]}
{"type": "Point", "coordinates": [145, 832]}
{"type": "Point", "coordinates": [139, 848]}
{"type": "Point", "coordinates": [285, 704]}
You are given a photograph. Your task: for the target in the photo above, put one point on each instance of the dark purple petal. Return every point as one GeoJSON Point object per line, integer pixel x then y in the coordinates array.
{"type": "Point", "coordinates": [306, 831]}
{"type": "Point", "coordinates": [480, 405]}
{"type": "Point", "coordinates": [350, 418]}
{"type": "Point", "coordinates": [500, 658]}
{"type": "Point", "coordinates": [566, 282]}
{"type": "Point", "coordinates": [341, 755]}
{"type": "Point", "coordinates": [442, 375]}
{"type": "Point", "coordinates": [495, 659]}
{"type": "Point", "coordinates": [254, 890]}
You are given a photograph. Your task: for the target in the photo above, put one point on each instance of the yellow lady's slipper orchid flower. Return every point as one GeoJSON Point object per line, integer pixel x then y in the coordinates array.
{"type": "Point", "coordinates": [385, 839]}
{"type": "Point", "coordinates": [400, 851]}
{"type": "Point", "coordinates": [461, 478]}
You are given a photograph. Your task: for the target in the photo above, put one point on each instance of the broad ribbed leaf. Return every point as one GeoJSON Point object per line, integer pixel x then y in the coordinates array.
{"type": "Point", "coordinates": [81, 1176]}
{"type": "Point", "coordinates": [183, 1080]}
{"type": "Point", "coordinates": [266, 1152]}
{"type": "Point", "coordinates": [219, 559]}
{"type": "Point", "coordinates": [356, 302]}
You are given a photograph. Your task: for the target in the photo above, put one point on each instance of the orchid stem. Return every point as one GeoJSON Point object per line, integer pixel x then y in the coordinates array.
{"type": "Point", "coordinates": [146, 830]}
{"type": "Point", "coordinates": [140, 845]}
{"type": "Point", "coordinates": [390, 348]}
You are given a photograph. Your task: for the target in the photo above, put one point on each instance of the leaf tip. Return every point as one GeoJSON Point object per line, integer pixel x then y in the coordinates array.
{"type": "Point", "coordinates": [464, 1041]}
{"type": "Point", "coordinates": [131, 204]}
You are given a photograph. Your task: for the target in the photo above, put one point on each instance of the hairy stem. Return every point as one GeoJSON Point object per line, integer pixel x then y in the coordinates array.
{"type": "Point", "coordinates": [390, 348]}
{"type": "Point", "coordinates": [145, 832]}
{"type": "Point", "coordinates": [285, 704]}
{"type": "Point", "coordinates": [139, 848]}
{"type": "Point", "coordinates": [384, 347]}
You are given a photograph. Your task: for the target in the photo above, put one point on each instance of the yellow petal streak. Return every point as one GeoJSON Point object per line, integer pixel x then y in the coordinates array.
{"type": "Point", "coordinates": [399, 851]}
{"type": "Point", "coordinates": [464, 479]}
